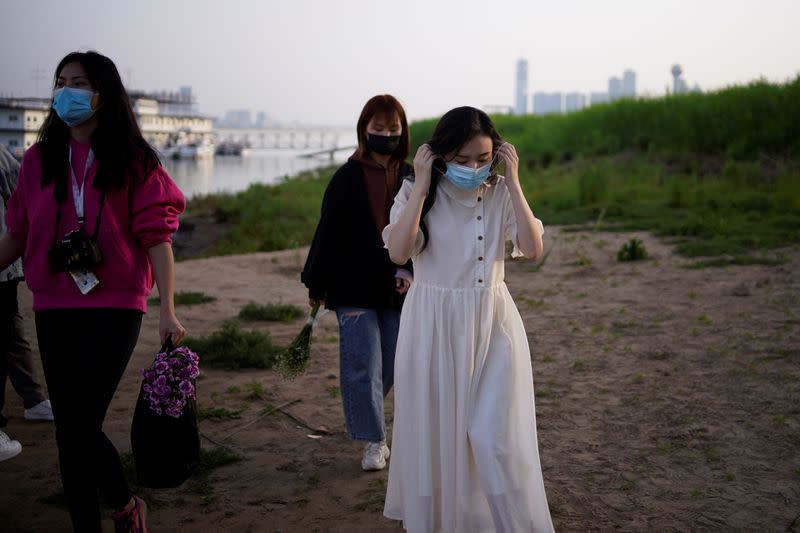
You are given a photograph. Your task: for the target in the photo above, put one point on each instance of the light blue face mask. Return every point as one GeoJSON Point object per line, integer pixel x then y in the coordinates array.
{"type": "Point", "coordinates": [468, 178]}
{"type": "Point", "coordinates": [73, 106]}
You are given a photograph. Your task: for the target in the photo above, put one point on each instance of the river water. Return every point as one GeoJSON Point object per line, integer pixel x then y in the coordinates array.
{"type": "Point", "coordinates": [236, 173]}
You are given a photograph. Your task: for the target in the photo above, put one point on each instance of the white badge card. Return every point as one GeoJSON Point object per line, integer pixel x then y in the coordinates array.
{"type": "Point", "coordinates": [85, 280]}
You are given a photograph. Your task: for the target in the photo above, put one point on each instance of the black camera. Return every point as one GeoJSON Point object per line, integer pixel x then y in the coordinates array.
{"type": "Point", "coordinates": [76, 251]}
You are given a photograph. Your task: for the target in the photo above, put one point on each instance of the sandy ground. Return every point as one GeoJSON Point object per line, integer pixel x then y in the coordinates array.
{"type": "Point", "coordinates": [668, 399]}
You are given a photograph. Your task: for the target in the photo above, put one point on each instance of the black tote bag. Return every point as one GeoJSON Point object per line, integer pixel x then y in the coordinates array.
{"type": "Point", "coordinates": [166, 450]}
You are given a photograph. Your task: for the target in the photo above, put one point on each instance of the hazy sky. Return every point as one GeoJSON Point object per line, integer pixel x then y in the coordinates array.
{"type": "Point", "coordinates": [318, 61]}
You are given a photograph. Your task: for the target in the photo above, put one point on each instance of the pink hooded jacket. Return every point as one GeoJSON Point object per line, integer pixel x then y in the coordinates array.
{"type": "Point", "coordinates": [128, 229]}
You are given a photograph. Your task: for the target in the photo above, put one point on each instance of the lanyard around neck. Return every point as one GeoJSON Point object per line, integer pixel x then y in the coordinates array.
{"type": "Point", "coordinates": [78, 192]}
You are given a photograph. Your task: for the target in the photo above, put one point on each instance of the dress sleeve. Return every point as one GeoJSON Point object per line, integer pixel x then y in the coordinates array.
{"type": "Point", "coordinates": [155, 206]}
{"type": "Point", "coordinates": [400, 202]}
{"type": "Point", "coordinates": [510, 224]}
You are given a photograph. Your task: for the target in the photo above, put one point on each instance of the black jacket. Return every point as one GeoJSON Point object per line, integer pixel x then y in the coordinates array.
{"type": "Point", "coordinates": [347, 264]}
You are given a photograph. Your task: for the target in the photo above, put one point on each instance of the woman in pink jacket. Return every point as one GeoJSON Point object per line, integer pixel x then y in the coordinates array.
{"type": "Point", "coordinates": [94, 214]}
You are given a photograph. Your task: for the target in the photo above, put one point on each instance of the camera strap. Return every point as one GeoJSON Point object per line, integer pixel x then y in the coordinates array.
{"type": "Point", "coordinates": [77, 192]}
{"type": "Point", "coordinates": [78, 196]}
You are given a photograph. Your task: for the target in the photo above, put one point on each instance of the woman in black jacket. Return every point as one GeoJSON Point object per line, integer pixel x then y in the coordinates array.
{"type": "Point", "coordinates": [349, 270]}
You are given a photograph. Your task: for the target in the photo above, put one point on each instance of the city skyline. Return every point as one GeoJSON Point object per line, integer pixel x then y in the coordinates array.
{"type": "Point", "coordinates": [545, 103]}
{"type": "Point", "coordinates": [318, 62]}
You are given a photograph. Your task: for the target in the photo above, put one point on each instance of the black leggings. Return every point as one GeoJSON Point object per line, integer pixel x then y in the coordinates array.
{"type": "Point", "coordinates": [84, 354]}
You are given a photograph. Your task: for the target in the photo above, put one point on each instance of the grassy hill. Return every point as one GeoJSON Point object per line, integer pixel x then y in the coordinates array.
{"type": "Point", "coordinates": [719, 172]}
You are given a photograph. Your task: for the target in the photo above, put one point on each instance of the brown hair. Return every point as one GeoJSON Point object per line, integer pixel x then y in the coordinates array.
{"type": "Point", "coordinates": [383, 104]}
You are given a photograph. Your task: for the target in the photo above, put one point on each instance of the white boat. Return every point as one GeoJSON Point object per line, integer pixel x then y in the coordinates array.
{"type": "Point", "coordinates": [196, 150]}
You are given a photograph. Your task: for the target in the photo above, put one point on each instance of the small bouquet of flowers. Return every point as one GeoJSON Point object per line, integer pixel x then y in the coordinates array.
{"type": "Point", "coordinates": [292, 362]}
{"type": "Point", "coordinates": [169, 382]}
{"type": "Point", "coordinates": [166, 411]}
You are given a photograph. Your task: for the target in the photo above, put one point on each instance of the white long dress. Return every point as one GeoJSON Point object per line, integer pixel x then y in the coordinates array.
{"type": "Point", "coordinates": [464, 451]}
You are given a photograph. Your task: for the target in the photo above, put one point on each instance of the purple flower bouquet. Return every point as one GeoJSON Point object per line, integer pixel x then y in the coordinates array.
{"type": "Point", "coordinates": [170, 381]}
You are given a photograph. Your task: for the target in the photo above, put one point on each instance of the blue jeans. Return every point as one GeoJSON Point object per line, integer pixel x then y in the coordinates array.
{"type": "Point", "coordinates": [367, 342]}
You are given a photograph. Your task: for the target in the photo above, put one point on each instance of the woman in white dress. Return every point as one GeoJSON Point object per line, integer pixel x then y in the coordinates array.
{"type": "Point", "coordinates": [465, 456]}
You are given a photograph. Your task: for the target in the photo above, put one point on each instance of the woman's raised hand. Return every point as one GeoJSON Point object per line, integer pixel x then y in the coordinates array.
{"type": "Point", "coordinates": [423, 163]}
{"type": "Point", "coordinates": [509, 156]}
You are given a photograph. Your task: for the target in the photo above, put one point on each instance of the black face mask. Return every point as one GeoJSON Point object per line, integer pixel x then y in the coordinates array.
{"type": "Point", "coordinates": [382, 144]}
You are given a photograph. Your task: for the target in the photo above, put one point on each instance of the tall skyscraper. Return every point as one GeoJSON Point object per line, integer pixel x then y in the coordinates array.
{"type": "Point", "coordinates": [629, 84]}
{"type": "Point", "coordinates": [521, 99]}
{"type": "Point", "coordinates": [614, 88]}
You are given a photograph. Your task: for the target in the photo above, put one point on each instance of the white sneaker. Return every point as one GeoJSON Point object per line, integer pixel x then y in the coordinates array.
{"type": "Point", "coordinates": [40, 411]}
{"type": "Point", "coordinates": [8, 448]}
{"type": "Point", "coordinates": [375, 455]}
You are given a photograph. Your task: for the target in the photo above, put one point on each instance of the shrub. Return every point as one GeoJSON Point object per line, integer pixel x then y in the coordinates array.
{"type": "Point", "coordinates": [232, 348]}
{"type": "Point", "coordinates": [633, 250]}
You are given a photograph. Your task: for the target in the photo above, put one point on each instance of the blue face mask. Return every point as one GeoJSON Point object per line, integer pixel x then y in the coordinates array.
{"type": "Point", "coordinates": [467, 178]}
{"type": "Point", "coordinates": [73, 106]}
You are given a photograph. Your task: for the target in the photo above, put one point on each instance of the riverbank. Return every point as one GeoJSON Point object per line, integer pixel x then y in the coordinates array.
{"type": "Point", "coordinates": [707, 205]}
{"type": "Point", "coordinates": [668, 398]}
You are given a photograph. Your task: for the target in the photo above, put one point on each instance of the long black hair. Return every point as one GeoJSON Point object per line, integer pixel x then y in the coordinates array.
{"type": "Point", "coordinates": [455, 129]}
{"type": "Point", "coordinates": [121, 152]}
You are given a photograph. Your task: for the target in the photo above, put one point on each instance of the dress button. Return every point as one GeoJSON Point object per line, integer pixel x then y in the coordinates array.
{"type": "Point", "coordinates": [480, 237]}
{"type": "Point", "coordinates": [480, 281]}
{"type": "Point", "coordinates": [479, 217]}
{"type": "Point", "coordinates": [479, 198]}
{"type": "Point", "coordinates": [480, 259]}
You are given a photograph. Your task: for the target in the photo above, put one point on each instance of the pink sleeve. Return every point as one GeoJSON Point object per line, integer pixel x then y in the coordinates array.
{"type": "Point", "coordinates": [155, 207]}
{"type": "Point", "coordinates": [17, 209]}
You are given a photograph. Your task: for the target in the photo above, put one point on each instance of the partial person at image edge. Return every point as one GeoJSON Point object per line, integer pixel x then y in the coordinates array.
{"type": "Point", "coordinates": [16, 356]}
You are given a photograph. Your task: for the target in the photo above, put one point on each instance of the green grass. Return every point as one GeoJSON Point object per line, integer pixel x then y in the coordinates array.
{"type": "Point", "coordinates": [210, 459]}
{"type": "Point", "coordinates": [582, 260]}
{"type": "Point", "coordinates": [736, 210]}
{"type": "Point", "coordinates": [271, 312]}
{"type": "Point", "coordinates": [267, 217]}
{"type": "Point", "coordinates": [741, 122]}
{"type": "Point", "coordinates": [232, 348]}
{"type": "Point", "coordinates": [255, 390]}
{"type": "Point", "coordinates": [717, 173]}
{"type": "Point", "coordinates": [779, 421]}
{"type": "Point", "coordinates": [199, 483]}
{"type": "Point", "coordinates": [633, 250]}
{"type": "Point", "coordinates": [218, 413]}
{"type": "Point", "coordinates": [185, 298]}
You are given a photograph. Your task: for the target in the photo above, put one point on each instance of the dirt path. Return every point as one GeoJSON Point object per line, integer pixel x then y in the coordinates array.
{"type": "Point", "coordinates": [667, 399]}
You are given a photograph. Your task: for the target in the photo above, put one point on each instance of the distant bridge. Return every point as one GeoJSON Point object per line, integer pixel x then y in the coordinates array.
{"type": "Point", "coordinates": [320, 139]}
